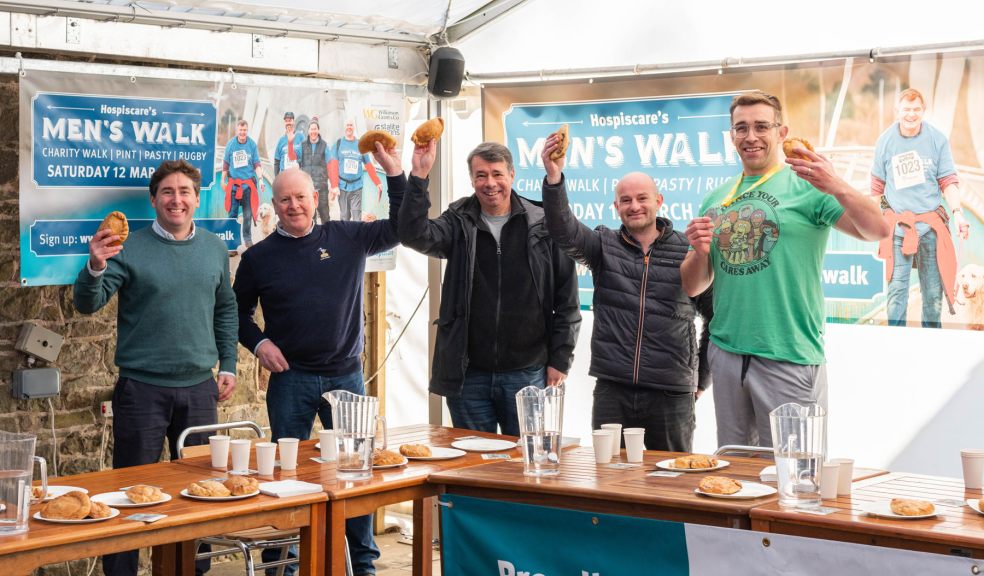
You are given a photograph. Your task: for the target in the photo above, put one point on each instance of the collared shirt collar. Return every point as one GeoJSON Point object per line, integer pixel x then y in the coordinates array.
{"type": "Point", "coordinates": [167, 235]}
{"type": "Point", "coordinates": [283, 232]}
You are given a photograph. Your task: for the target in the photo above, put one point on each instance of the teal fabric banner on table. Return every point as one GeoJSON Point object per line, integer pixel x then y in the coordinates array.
{"type": "Point", "coordinates": [505, 539]}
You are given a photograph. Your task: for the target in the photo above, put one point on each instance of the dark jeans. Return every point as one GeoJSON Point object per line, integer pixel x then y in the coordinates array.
{"type": "Point", "coordinates": [247, 213]}
{"type": "Point", "coordinates": [324, 211]}
{"type": "Point", "coordinates": [668, 417]}
{"type": "Point", "coordinates": [143, 415]}
{"type": "Point", "coordinates": [293, 400]}
{"type": "Point", "coordinates": [488, 399]}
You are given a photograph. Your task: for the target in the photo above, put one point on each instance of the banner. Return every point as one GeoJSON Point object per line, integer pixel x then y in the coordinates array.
{"type": "Point", "coordinates": [90, 143]}
{"type": "Point", "coordinates": [853, 113]}
{"type": "Point", "coordinates": [492, 538]}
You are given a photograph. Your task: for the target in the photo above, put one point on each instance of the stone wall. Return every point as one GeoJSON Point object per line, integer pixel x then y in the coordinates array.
{"type": "Point", "coordinates": [84, 439]}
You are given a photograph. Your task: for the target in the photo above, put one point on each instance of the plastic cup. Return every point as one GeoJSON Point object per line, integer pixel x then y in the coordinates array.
{"type": "Point", "coordinates": [266, 454]}
{"type": "Point", "coordinates": [240, 455]}
{"type": "Point", "coordinates": [973, 468]}
{"type": "Point", "coordinates": [634, 445]}
{"type": "Point", "coordinates": [288, 453]}
{"type": "Point", "coordinates": [602, 442]}
{"type": "Point", "coordinates": [616, 437]}
{"type": "Point", "coordinates": [329, 450]}
{"type": "Point", "coordinates": [845, 475]}
{"type": "Point", "coordinates": [218, 446]}
{"type": "Point", "coordinates": [829, 480]}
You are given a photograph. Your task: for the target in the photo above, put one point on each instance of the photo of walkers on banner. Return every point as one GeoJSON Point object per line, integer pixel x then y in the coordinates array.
{"type": "Point", "coordinates": [90, 143]}
{"type": "Point", "coordinates": [909, 133]}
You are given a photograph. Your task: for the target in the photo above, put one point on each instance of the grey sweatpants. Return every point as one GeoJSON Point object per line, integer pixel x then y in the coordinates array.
{"type": "Point", "coordinates": [742, 405]}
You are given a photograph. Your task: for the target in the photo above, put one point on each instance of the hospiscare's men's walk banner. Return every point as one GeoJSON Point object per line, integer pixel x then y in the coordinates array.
{"type": "Point", "coordinates": [90, 143]}
{"type": "Point", "coordinates": [854, 112]}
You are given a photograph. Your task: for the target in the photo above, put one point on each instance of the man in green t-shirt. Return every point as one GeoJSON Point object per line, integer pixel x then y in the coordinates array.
{"type": "Point", "coordinates": [760, 239]}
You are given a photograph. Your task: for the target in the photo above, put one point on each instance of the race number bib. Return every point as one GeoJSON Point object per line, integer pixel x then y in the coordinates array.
{"type": "Point", "coordinates": [240, 159]}
{"type": "Point", "coordinates": [907, 168]}
{"type": "Point", "coordinates": [288, 164]}
{"type": "Point", "coordinates": [350, 166]}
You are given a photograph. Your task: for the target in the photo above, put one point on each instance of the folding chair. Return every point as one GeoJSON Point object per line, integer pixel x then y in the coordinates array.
{"type": "Point", "coordinates": [749, 451]}
{"type": "Point", "coordinates": [246, 541]}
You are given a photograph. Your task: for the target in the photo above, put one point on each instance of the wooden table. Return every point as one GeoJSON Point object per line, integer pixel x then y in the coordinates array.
{"type": "Point", "coordinates": [584, 485]}
{"type": "Point", "coordinates": [173, 537]}
{"type": "Point", "coordinates": [349, 499]}
{"type": "Point", "coordinates": [956, 530]}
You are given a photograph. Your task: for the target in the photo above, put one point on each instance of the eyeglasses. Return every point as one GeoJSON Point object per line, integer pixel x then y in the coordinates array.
{"type": "Point", "coordinates": [760, 128]}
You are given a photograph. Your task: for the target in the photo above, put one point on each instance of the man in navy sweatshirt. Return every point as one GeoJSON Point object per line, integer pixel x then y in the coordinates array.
{"type": "Point", "coordinates": [308, 281]}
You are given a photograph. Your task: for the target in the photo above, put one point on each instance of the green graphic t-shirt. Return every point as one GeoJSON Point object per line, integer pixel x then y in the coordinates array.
{"type": "Point", "coordinates": [767, 254]}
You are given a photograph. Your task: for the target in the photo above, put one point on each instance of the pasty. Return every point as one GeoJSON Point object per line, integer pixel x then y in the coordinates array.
{"type": "Point", "coordinates": [909, 507]}
{"type": "Point", "coordinates": [70, 506]}
{"type": "Point", "coordinates": [430, 130]}
{"type": "Point", "coordinates": [695, 461]}
{"type": "Point", "coordinates": [241, 485]}
{"type": "Point", "coordinates": [789, 145]}
{"type": "Point", "coordinates": [562, 145]}
{"type": "Point", "coordinates": [143, 494]}
{"type": "Point", "coordinates": [116, 221]}
{"type": "Point", "coordinates": [368, 141]}
{"type": "Point", "coordinates": [415, 450]}
{"type": "Point", "coordinates": [208, 488]}
{"type": "Point", "coordinates": [719, 485]}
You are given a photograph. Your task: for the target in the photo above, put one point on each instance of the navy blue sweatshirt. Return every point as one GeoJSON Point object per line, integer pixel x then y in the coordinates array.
{"type": "Point", "coordinates": [310, 289]}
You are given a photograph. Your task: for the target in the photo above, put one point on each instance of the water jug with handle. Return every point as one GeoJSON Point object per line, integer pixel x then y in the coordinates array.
{"type": "Point", "coordinates": [799, 443]}
{"type": "Point", "coordinates": [16, 470]}
{"type": "Point", "coordinates": [541, 422]}
{"type": "Point", "coordinates": [354, 418]}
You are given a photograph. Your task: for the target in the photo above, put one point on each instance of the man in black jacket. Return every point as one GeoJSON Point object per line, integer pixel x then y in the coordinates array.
{"type": "Point", "coordinates": [644, 349]}
{"type": "Point", "coordinates": [509, 311]}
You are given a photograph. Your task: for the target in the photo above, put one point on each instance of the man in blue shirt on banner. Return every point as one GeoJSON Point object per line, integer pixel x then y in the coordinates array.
{"type": "Point", "coordinates": [242, 179]}
{"type": "Point", "coordinates": [913, 172]}
{"type": "Point", "coordinates": [345, 169]}
{"type": "Point", "coordinates": [285, 156]}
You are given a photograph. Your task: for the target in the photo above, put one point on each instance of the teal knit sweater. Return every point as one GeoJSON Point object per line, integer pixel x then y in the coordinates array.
{"type": "Point", "coordinates": [177, 311]}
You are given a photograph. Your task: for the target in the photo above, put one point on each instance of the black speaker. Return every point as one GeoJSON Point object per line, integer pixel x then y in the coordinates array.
{"type": "Point", "coordinates": [447, 69]}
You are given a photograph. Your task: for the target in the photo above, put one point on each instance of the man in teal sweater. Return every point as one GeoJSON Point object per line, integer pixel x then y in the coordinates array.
{"type": "Point", "coordinates": [177, 318]}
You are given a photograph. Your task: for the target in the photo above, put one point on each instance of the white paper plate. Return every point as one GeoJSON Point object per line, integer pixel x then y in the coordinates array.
{"type": "Point", "coordinates": [883, 509]}
{"type": "Point", "coordinates": [668, 465]}
{"type": "Point", "coordinates": [387, 466]}
{"type": "Point", "coordinates": [119, 500]}
{"type": "Point", "coordinates": [113, 513]}
{"type": "Point", "coordinates": [440, 454]}
{"type": "Point", "coordinates": [185, 493]}
{"type": "Point", "coordinates": [974, 505]}
{"type": "Point", "coordinates": [483, 445]}
{"type": "Point", "coordinates": [56, 491]}
{"type": "Point", "coordinates": [748, 490]}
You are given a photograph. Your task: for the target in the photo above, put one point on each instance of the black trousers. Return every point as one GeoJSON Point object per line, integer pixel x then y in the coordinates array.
{"type": "Point", "coordinates": [143, 416]}
{"type": "Point", "coordinates": [668, 417]}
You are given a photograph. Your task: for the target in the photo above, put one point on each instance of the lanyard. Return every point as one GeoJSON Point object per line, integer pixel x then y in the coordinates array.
{"type": "Point", "coordinates": [731, 195]}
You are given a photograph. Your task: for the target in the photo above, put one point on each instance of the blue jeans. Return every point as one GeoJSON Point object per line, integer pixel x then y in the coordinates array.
{"type": "Point", "coordinates": [930, 283]}
{"type": "Point", "coordinates": [488, 399]}
{"type": "Point", "coordinates": [234, 206]}
{"type": "Point", "coordinates": [293, 400]}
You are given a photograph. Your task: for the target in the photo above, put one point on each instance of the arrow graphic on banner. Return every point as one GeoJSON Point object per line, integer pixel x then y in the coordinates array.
{"type": "Point", "coordinates": [70, 108]}
{"type": "Point", "coordinates": [185, 113]}
{"type": "Point", "coordinates": [528, 123]}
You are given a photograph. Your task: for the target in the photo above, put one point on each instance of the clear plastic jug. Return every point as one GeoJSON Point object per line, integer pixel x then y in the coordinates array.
{"type": "Point", "coordinates": [16, 469]}
{"type": "Point", "coordinates": [354, 419]}
{"type": "Point", "coordinates": [541, 423]}
{"type": "Point", "coordinates": [799, 443]}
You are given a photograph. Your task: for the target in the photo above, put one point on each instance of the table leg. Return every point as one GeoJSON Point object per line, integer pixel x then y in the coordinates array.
{"type": "Point", "coordinates": [423, 527]}
{"type": "Point", "coordinates": [335, 538]}
{"type": "Point", "coordinates": [312, 537]}
{"type": "Point", "coordinates": [175, 559]}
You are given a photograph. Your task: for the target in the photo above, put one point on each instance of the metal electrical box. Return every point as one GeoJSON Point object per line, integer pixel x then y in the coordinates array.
{"type": "Point", "coordinates": [36, 383]}
{"type": "Point", "coordinates": [39, 342]}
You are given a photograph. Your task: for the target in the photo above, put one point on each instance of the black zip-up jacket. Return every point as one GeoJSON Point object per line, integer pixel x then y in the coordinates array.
{"type": "Point", "coordinates": [452, 236]}
{"type": "Point", "coordinates": [644, 333]}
